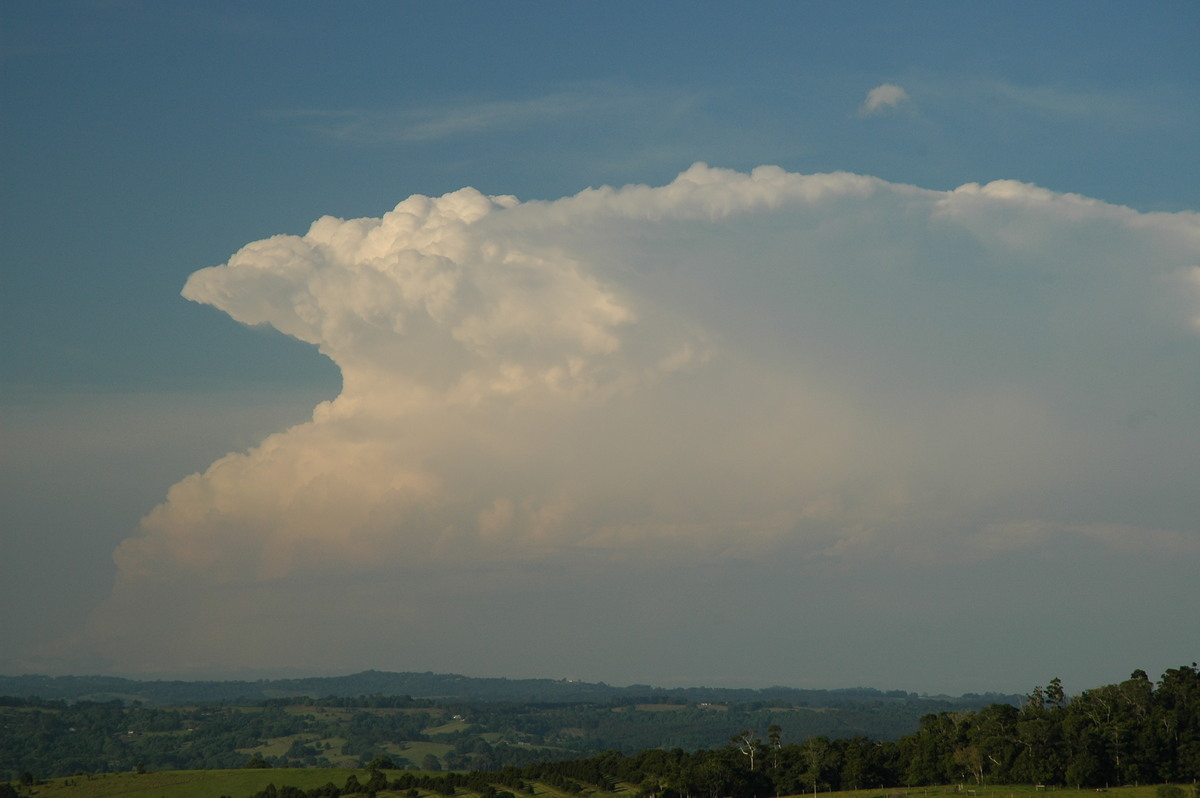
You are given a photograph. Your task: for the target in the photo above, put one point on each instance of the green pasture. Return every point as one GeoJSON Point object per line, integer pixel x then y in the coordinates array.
{"type": "Point", "coordinates": [416, 751]}
{"type": "Point", "coordinates": [185, 783]}
{"type": "Point", "coordinates": [412, 751]}
{"type": "Point", "coordinates": [447, 728]}
{"type": "Point", "coordinates": [278, 746]}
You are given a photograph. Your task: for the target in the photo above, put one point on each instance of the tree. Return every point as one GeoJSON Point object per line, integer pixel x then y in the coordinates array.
{"type": "Point", "coordinates": [1040, 759]}
{"type": "Point", "coordinates": [1082, 770]}
{"type": "Point", "coordinates": [1101, 728]}
{"type": "Point", "coordinates": [430, 762]}
{"type": "Point", "coordinates": [816, 752]}
{"type": "Point", "coordinates": [861, 766]}
{"type": "Point", "coordinates": [994, 731]}
{"type": "Point", "coordinates": [1177, 722]}
{"type": "Point", "coordinates": [775, 740]}
{"type": "Point", "coordinates": [376, 782]}
{"type": "Point", "coordinates": [971, 758]}
{"type": "Point", "coordinates": [1055, 696]}
{"type": "Point", "coordinates": [747, 743]}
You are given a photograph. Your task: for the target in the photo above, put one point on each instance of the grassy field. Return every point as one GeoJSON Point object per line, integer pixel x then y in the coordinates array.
{"type": "Point", "coordinates": [186, 783]}
{"type": "Point", "coordinates": [245, 783]}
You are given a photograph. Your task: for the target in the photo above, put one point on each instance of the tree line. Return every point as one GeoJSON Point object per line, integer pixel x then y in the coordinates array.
{"type": "Point", "coordinates": [1127, 733]}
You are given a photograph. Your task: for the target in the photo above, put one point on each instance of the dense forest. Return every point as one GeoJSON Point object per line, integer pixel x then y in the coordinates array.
{"type": "Point", "coordinates": [1132, 732]}
{"type": "Point", "coordinates": [1127, 733]}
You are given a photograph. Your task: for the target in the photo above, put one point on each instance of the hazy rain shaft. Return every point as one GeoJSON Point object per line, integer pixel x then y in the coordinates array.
{"type": "Point", "coordinates": [764, 368]}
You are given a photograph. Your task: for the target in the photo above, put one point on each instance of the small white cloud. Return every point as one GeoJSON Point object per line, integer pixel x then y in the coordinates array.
{"type": "Point", "coordinates": [882, 99]}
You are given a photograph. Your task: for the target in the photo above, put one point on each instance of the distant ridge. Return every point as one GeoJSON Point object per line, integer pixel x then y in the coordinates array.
{"type": "Point", "coordinates": [445, 686]}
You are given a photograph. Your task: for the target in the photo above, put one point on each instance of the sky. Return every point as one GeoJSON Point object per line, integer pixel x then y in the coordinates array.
{"type": "Point", "coordinates": [821, 344]}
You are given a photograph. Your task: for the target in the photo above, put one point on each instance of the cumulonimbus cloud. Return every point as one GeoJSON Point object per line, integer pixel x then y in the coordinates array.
{"type": "Point", "coordinates": [731, 365]}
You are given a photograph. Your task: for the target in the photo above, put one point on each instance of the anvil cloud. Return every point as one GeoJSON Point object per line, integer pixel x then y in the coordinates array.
{"type": "Point", "coordinates": [729, 370]}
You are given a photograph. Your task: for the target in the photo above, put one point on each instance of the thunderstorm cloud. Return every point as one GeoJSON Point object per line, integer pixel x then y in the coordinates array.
{"type": "Point", "coordinates": [732, 368]}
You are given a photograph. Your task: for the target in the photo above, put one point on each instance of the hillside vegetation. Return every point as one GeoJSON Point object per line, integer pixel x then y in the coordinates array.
{"type": "Point", "coordinates": [59, 738]}
{"type": "Point", "coordinates": [1131, 733]}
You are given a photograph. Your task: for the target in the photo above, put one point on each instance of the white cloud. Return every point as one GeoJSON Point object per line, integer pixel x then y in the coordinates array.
{"type": "Point", "coordinates": [883, 98]}
{"type": "Point", "coordinates": [733, 367]}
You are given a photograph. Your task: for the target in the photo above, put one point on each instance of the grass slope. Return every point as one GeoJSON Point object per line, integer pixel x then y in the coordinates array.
{"type": "Point", "coordinates": [185, 783]}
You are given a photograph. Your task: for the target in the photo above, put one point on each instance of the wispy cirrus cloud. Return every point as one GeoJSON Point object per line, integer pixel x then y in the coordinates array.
{"type": "Point", "coordinates": [470, 117]}
{"type": "Point", "coordinates": [1077, 103]}
{"type": "Point", "coordinates": [1067, 103]}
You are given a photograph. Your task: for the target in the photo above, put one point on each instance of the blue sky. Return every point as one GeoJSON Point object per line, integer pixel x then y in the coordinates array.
{"type": "Point", "coordinates": [995, 389]}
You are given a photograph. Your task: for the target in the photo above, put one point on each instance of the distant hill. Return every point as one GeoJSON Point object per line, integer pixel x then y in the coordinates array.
{"type": "Point", "coordinates": [448, 686]}
{"type": "Point", "coordinates": [91, 724]}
